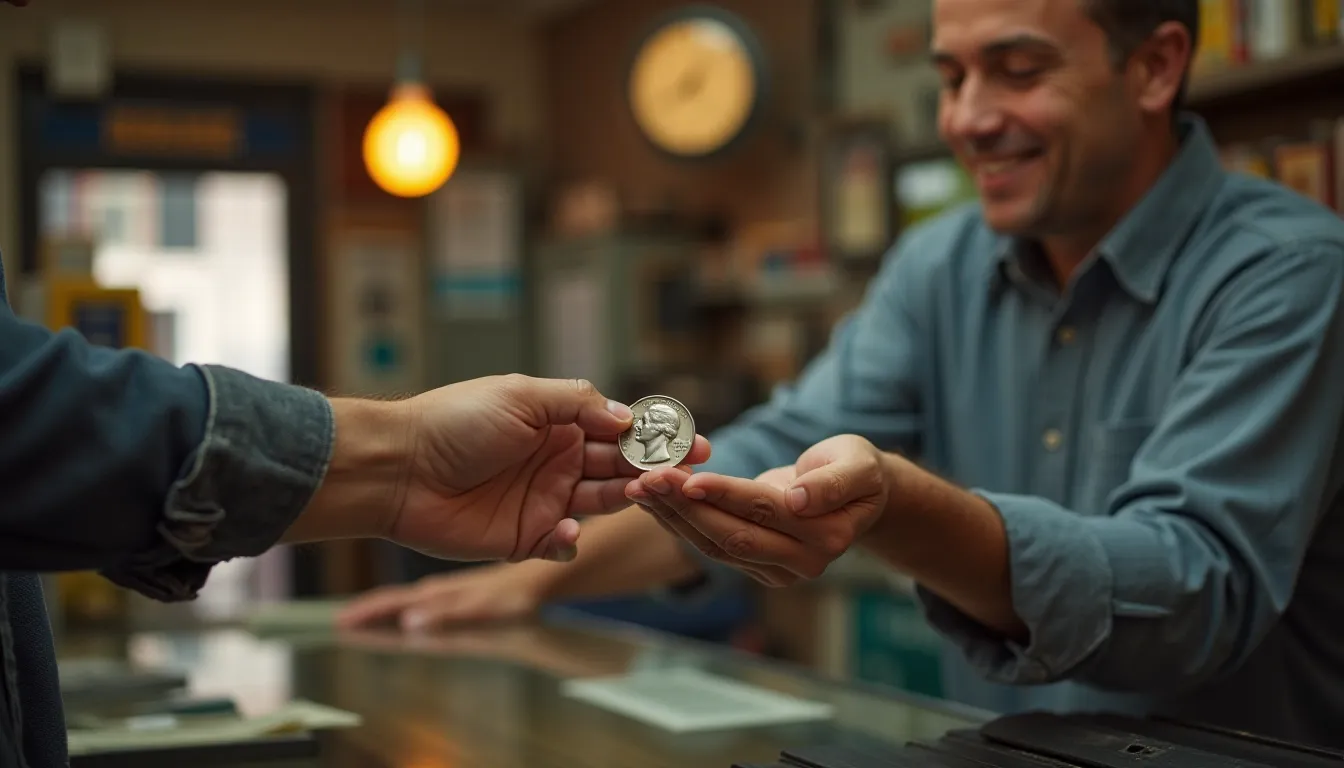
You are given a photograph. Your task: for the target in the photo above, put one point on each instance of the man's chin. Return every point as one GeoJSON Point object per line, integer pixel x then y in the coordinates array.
{"type": "Point", "coordinates": [1014, 219]}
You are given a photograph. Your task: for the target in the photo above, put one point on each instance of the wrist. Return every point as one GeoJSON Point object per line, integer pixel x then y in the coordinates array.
{"type": "Point", "coordinates": [882, 530]}
{"type": "Point", "coordinates": [542, 579]}
{"type": "Point", "coordinates": [925, 518]}
{"type": "Point", "coordinates": [365, 482]}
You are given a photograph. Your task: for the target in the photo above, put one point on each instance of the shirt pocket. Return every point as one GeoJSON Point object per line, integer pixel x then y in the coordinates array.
{"type": "Point", "coordinates": [1108, 459]}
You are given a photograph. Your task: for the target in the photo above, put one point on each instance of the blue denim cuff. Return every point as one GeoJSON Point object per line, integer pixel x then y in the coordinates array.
{"type": "Point", "coordinates": [1061, 589]}
{"type": "Point", "coordinates": [266, 449]}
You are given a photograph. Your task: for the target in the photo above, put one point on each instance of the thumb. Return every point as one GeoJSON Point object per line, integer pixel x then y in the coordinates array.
{"type": "Point", "coordinates": [834, 485]}
{"type": "Point", "coordinates": [577, 401]}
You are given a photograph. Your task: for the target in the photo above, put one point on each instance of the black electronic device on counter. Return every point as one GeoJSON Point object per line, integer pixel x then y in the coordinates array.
{"type": "Point", "coordinates": [1042, 740]}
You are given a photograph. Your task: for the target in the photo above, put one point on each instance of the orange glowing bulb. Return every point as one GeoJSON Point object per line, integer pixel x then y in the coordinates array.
{"type": "Point", "coordinates": [411, 146]}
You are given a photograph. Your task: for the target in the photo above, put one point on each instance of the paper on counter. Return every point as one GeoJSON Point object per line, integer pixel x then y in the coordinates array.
{"type": "Point", "coordinates": [687, 699]}
{"type": "Point", "coordinates": [162, 732]}
{"type": "Point", "coordinates": [293, 615]}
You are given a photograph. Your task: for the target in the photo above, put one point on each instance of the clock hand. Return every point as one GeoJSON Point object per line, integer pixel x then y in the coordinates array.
{"type": "Point", "coordinates": [691, 84]}
{"type": "Point", "coordinates": [687, 85]}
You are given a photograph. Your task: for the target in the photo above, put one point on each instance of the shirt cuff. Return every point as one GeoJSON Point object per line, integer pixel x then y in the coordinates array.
{"type": "Point", "coordinates": [1061, 589]}
{"type": "Point", "coordinates": [266, 449]}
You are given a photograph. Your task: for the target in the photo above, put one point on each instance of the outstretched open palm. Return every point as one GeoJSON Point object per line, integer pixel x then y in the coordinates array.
{"type": "Point", "coordinates": [505, 463]}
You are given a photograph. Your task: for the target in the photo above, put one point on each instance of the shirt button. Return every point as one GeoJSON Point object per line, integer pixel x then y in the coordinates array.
{"type": "Point", "coordinates": [1052, 439]}
{"type": "Point", "coordinates": [1066, 334]}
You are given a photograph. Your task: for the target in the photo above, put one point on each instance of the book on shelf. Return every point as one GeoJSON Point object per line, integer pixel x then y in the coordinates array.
{"type": "Point", "coordinates": [1239, 32]}
{"type": "Point", "coordinates": [1311, 164]}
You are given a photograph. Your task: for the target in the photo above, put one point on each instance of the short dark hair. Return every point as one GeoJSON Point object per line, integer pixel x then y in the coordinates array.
{"type": "Point", "coordinates": [1128, 23]}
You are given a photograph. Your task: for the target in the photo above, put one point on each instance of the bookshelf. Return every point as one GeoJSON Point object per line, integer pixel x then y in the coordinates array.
{"type": "Point", "coordinates": [1266, 81]}
{"type": "Point", "coordinates": [1312, 68]}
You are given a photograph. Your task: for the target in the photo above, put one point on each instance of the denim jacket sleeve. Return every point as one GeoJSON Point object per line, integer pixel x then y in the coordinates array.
{"type": "Point", "coordinates": [118, 461]}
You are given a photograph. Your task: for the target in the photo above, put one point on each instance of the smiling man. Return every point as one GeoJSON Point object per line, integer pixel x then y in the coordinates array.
{"type": "Point", "coordinates": [1120, 373]}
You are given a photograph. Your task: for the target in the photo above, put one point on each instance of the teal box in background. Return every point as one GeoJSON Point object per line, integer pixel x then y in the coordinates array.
{"type": "Point", "coordinates": [892, 644]}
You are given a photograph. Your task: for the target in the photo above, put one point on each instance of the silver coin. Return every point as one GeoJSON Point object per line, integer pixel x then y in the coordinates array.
{"type": "Point", "coordinates": [661, 435]}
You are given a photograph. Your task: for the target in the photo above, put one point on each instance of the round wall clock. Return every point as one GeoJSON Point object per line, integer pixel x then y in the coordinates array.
{"type": "Point", "coordinates": [698, 82]}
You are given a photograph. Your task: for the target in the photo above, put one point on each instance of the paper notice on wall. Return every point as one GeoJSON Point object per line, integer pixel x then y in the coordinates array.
{"type": "Point", "coordinates": [574, 329]}
{"type": "Point", "coordinates": [477, 254]}
{"type": "Point", "coordinates": [376, 317]}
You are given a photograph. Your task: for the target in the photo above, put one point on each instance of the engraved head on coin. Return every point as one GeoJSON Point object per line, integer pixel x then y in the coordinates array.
{"type": "Point", "coordinates": [661, 435]}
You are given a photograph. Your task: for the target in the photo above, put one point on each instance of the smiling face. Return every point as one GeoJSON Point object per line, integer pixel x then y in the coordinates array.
{"type": "Point", "coordinates": [1034, 107]}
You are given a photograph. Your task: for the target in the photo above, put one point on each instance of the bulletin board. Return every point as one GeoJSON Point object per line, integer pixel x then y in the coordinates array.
{"type": "Point", "coordinates": [477, 281]}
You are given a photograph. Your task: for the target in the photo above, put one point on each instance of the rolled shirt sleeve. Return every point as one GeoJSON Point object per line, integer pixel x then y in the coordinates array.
{"type": "Point", "coordinates": [1198, 552]}
{"type": "Point", "coordinates": [120, 462]}
{"type": "Point", "coordinates": [266, 449]}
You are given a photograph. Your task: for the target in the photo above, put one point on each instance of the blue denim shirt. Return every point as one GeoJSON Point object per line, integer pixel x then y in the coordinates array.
{"type": "Point", "coordinates": [117, 461]}
{"type": "Point", "coordinates": [1161, 439]}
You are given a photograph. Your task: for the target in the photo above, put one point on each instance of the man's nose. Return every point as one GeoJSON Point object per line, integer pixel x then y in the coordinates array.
{"type": "Point", "coordinates": [973, 112]}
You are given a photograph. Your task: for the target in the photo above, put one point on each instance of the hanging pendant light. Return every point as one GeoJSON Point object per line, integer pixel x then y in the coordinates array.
{"type": "Point", "coordinates": [411, 146]}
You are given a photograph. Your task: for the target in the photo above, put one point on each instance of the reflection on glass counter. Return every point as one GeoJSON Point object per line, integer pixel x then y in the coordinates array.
{"type": "Point", "coordinates": [500, 696]}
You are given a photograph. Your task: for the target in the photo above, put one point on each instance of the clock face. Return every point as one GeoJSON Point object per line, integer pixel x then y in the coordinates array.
{"type": "Point", "coordinates": [695, 85]}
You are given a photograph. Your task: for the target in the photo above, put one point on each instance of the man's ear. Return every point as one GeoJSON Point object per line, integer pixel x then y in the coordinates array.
{"type": "Point", "coordinates": [1163, 62]}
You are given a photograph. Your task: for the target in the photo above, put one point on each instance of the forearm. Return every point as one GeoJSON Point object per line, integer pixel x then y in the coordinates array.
{"type": "Point", "coordinates": [93, 440]}
{"type": "Point", "coordinates": [118, 461]}
{"type": "Point", "coordinates": [625, 553]}
{"type": "Point", "coordinates": [950, 542]}
{"type": "Point", "coordinates": [365, 483]}
{"type": "Point", "coordinates": [1142, 600]}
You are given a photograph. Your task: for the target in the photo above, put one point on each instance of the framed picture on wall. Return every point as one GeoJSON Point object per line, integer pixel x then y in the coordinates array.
{"type": "Point", "coordinates": [107, 317]}
{"type": "Point", "coordinates": [857, 197]}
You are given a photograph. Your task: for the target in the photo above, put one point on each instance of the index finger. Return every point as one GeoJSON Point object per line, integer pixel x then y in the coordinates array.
{"type": "Point", "coordinates": [376, 606]}
{"type": "Point", "coordinates": [603, 460]}
{"type": "Point", "coordinates": [699, 452]}
{"type": "Point", "coordinates": [751, 500]}
{"type": "Point", "coordinates": [621, 466]}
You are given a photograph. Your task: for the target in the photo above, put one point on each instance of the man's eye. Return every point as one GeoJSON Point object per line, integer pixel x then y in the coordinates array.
{"type": "Point", "coordinates": [1023, 73]}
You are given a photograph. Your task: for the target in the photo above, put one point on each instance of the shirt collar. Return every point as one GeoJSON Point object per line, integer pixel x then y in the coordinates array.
{"type": "Point", "coordinates": [1142, 246]}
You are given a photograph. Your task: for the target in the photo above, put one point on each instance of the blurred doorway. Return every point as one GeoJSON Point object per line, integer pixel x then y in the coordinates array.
{"type": "Point", "coordinates": [199, 192]}
{"type": "Point", "coordinates": [208, 253]}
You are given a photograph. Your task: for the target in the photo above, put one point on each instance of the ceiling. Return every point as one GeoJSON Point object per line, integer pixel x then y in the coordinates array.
{"type": "Point", "coordinates": [536, 10]}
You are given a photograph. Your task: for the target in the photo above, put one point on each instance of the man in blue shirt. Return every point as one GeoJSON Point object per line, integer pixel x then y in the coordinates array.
{"type": "Point", "coordinates": [1132, 360]}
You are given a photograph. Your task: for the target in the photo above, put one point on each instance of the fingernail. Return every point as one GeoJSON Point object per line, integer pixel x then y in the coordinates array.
{"type": "Point", "coordinates": [694, 493]}
{"type": "Point", "coordinates": [659, 485]}
{"type": "Point", "coordinates": [638, 498]}
{"type": "Point", "coordinates": [413, 620]}
{"type": "Point", "coordinates": [619, 410]}
{"type": "Point", "coordinates": [798, 499]}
